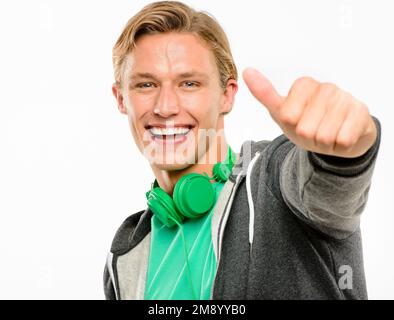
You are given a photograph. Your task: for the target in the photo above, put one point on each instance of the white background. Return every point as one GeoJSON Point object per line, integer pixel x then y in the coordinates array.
{"type": "Point", "coordinates": [69, 170]}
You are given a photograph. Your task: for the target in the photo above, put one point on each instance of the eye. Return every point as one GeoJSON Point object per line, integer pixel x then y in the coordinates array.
{"type": "Point", "coordinates": [190, 84]}
{"type": "Point", "coordinates": [145, 85]}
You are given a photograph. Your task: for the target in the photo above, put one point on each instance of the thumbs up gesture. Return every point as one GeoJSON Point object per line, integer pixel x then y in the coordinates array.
{"type": "Point", "coordinates": [318, 117]}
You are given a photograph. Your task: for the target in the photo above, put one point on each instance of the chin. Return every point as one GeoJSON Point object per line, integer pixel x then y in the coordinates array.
{"type": "Point", "coordinates": [178, 160]}
{"type": "Point", "coordinates": [172, 167]}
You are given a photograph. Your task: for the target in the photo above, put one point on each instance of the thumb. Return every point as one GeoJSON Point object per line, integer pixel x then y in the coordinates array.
{"type": "Point", "coordinates": [262, 89]}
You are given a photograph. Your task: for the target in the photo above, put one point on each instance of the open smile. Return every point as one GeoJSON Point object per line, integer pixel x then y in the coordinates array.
{"type": "Point", "coordinates": [174, 134]}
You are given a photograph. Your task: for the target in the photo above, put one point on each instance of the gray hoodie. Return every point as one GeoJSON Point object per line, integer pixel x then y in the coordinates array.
{"type": "Point", "coordinates": [286, 225]}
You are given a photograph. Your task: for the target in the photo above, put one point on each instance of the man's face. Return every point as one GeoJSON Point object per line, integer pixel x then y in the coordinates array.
{"type": "Point", "coordinates": [171, 92]}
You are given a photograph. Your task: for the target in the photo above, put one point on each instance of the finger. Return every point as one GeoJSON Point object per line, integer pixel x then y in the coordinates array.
{"type": "Point", "coordinates": [289, 114]}
{"type": "Point", "coordinates": [313, 115]}
{"type": "Point", "coordinates": [337, 110]}
{"type": "Point", "coordinates": [352, 129]}
{"type": "Point", "coordinates": [262, 89]}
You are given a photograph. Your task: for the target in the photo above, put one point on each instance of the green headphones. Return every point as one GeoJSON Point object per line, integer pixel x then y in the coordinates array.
{"type": "Point", "coordinates": [193, 194]}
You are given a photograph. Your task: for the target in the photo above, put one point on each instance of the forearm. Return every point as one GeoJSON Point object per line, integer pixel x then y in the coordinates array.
{"type": "Point", "coordinates": [331, 192]}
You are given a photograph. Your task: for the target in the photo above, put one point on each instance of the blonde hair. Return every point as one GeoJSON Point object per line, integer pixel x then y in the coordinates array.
{"type": "Point", "coordinates": [167, 16]}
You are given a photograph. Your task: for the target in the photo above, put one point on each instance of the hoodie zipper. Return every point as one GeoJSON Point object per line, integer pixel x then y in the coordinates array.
{"type": "Point", "coordinates": [223, 222]}
{"type": "Point", "coordinates": [227, 209]}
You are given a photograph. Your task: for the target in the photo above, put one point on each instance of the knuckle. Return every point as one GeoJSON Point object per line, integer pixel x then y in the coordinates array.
{"type": "Point", "coordinates": [328, 89]}
{"type": "Point", "coordinates": [335, 97]}
{"type": "Point", "coordinates": [304, 132]}
{"type": "Point", "coordinates": [302, 83]}
{"type": "Point", "coordinates": [345, 142]}
{"type": "Point", "coordinates": [363, 109]}
{"type": "Point", "coordinates": [324, 139]}
{"type": "Point", "coordinates": [287, 117]}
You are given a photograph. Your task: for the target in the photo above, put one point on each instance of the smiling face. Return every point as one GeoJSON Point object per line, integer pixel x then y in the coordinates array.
{"type": "Point", "coordinates": [172, 95]}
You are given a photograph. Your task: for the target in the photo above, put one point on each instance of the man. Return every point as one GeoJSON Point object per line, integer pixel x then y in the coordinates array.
{"type": "Point", "coordinates": [285, 220]}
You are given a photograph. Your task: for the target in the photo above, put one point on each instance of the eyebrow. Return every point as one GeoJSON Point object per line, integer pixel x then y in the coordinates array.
{"type": "Point", "coordinates": [190, 74]}
{"type": "Point", "coordinates": [142, 75]}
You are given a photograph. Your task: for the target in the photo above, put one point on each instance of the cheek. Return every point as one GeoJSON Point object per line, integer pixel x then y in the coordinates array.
{"type": "Point", "coordinates": [204, 107]}
{"type": "Point", "coordinates": [133, 126]}
{"type": "Point", "coordinates": [137, 107]}
{"type": "Point", "coordinates": [140, 104]}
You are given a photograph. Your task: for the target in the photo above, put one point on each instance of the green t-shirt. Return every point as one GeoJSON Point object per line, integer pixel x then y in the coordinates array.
{"type": "Point", "coordinates": [168, 277]}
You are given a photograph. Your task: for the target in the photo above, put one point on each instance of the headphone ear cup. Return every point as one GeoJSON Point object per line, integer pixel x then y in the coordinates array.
{"type": "Point", "coordinates": [163, 207]}
{"type": "Point", "coordinates": [194, 195]}
{"type": "Point", "coordinates": [221, 172]}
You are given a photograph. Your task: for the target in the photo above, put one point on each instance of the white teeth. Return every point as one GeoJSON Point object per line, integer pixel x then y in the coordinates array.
{"type": "Point", "coordinates": [168, 131]}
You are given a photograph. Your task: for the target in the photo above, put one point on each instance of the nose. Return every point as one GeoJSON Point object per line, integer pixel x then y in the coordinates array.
{"type": "Point", "coordinates": [167, 102]}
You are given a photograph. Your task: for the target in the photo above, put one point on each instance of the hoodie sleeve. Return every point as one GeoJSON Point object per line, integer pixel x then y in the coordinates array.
{"type": "Point", "coordinates": [330, 192]}
{"type": "Point", "coordinates": [109, 291]}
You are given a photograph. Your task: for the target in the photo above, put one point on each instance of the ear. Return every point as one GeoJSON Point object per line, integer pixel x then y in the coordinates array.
{"type": "Point", "coordinates": [117, 92]}
{"type": "Point", "coordinates": [229, 96]}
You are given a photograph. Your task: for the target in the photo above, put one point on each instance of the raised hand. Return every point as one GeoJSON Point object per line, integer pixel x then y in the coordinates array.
{"type": "Point", "coordinates": [318, 117]}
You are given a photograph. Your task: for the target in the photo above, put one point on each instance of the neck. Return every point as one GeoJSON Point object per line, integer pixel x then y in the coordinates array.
{"type": "Point", "coordinates": [168, 178]}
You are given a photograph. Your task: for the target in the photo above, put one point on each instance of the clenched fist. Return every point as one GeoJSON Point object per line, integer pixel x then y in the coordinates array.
{"type": "Point", "coordinates": [318, 117]}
